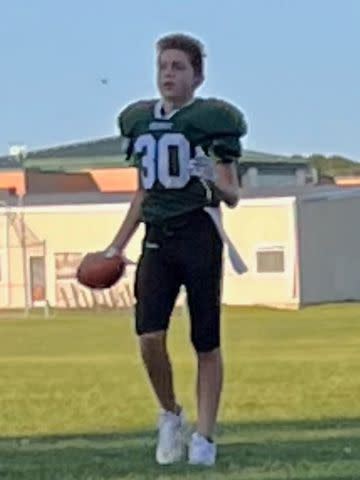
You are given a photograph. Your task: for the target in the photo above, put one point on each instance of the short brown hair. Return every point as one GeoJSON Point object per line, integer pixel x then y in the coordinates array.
{"type": "Point", "coordinates": [189, 45]}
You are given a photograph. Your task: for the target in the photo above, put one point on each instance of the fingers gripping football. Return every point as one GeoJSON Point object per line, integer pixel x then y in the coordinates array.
{"type": "Point", "coordinates": [100, 270]}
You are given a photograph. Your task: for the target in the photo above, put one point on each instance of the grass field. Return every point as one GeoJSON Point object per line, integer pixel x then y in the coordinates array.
{"type": "Point", "coordinates": [75, 403]}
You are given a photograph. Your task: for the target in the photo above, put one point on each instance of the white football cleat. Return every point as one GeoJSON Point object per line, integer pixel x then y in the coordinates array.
{"type": "Point", "coordinates": [201, 451]}
{"type": "Point", "coordinates": [171, 441]}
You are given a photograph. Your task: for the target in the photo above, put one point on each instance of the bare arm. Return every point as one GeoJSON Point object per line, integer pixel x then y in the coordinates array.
{"type": "Point", "coordinates": [130, 223]}
{"type": "Point", "coordinates": [226, 184]}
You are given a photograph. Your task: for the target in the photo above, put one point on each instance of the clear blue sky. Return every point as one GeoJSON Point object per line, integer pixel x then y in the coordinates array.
{"type": "Point", "coordinates": [293, 66]}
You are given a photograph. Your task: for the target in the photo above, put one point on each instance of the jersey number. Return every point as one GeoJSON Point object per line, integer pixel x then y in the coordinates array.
{"type": "Point", "coordinates": [165, 159]}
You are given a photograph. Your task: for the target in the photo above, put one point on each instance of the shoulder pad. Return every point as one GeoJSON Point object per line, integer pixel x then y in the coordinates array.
{"type": "Point", "coordinates": [228, 114]}
{"type": "Point", "coordinates": [130, 115]}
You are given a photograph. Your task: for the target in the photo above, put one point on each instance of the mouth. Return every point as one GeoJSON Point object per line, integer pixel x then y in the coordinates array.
{"type": "Point", "coordinates": [168, 85]}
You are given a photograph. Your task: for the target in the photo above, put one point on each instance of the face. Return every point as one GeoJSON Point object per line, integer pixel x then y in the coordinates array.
{"type": "Point", "coordinates": [176, 78]}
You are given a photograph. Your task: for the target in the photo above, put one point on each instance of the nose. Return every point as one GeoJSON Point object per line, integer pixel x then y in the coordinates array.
{"type": "Point", "coordinates": [168, 72]}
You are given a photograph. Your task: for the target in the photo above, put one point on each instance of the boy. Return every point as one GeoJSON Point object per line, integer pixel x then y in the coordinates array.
{"type": "Point", "coordinates": [186, 150]}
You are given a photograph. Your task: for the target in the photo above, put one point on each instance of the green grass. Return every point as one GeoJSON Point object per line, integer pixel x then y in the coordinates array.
{"type": "Point", "coordinates": [75, 403]}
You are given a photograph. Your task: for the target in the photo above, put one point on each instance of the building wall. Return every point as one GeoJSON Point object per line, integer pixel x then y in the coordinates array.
{"type": "Point", "coordinates": [275, 176]}
{"type": "Point", "coordinates": [15, 254]}
{"type": "Point", "coordinates": [12, 279]}
{"type": "Point", "coordinates": [266, 224]}
{"type": "Point", "coordinates": [348, 181]}
{"type": "Point", "coordinates": [102, 180]}
{"type": "Point", "coordinates": [3, 260]}
{"type": "Point", "coordinates": [62, 235]}
{"type": "Point", "coordinates": [13, 180]}
{"type": "Point", "coordinates": [87, 229]}
{"type": "Point", "coordinates": [115, 179]}
{"type": "Point", "coordinates": [329, 249]}
{"type": "Point", "coordinates": [41, 182]}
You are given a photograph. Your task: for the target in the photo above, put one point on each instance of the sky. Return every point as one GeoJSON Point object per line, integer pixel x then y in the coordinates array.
{"type": "Point", "coordinates": [292, 66]}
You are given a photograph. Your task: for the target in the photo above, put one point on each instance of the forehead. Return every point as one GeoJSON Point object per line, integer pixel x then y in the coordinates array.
{"type": "Point", "coordinates": [173, 55]}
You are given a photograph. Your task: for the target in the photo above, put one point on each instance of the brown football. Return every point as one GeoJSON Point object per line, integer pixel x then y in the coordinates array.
{"type": "Point", "coordinates": [98, 272]}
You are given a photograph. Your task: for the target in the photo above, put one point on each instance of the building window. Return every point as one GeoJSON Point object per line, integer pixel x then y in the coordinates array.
{"type": "Point", "coordinates": [270, 260]}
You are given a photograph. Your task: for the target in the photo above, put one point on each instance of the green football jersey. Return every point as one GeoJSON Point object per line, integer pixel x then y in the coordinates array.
{"type": "Point", "coordinates": [162, 147]}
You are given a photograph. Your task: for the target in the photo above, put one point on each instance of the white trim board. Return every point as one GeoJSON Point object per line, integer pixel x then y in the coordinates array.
{"type": "Point", "coordinates": [83, 208]}
{"type": "Point", "coordinates": [121, 207]}
{"type": "Point", "coordinates": [346, 192]}
{"type": "Point", "coordinates": [266, 201]}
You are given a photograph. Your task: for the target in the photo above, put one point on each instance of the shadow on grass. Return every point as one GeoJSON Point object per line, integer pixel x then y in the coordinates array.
{"type": "Point", "coordinates": [309, 450]}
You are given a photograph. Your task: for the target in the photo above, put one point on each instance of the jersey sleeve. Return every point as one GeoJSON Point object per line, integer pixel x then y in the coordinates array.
{"type": "Point", "coordinates": [227, 129]}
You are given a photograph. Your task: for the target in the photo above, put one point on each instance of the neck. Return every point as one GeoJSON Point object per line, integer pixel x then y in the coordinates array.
{"type": "Point", "coordinates": [171, 105]}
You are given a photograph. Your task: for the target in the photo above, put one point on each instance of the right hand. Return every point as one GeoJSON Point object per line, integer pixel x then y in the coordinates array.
{"type": "Point", "coordinates": [112, 251]}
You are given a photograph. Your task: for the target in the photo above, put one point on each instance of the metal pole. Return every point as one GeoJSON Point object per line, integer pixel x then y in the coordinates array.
{"type": "Point", "coordinates": [24, 255]}
{"type": "Point", "coordinates": [47, 310]}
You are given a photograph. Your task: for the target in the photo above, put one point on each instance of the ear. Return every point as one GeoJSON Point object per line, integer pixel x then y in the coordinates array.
{"type": "Point", "coordinates": [198, 80]}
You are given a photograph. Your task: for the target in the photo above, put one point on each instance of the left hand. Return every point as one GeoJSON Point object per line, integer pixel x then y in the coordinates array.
{"type": "Point", "coordinates": [203, 167]}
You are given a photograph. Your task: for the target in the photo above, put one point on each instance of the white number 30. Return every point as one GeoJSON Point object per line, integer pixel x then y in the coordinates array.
{"type": "Point", "coordinates": [165, 160]}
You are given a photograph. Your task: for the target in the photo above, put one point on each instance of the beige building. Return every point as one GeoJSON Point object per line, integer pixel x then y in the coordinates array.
{"type": "Point", "coordinates": [43, 241]}
{"type": "Point", "coordinates": [300, 246]}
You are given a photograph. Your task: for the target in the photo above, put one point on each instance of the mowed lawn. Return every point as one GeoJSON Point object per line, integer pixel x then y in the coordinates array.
{"type": "Point", "coordinates": [75, 403]}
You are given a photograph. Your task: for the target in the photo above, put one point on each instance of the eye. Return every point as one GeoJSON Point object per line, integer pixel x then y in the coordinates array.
{"type": "Point", "coordinates": [179, 66]}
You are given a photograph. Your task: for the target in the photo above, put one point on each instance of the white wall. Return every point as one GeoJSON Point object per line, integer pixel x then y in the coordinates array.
{"type": "Point", "coordinates": [261, 223]}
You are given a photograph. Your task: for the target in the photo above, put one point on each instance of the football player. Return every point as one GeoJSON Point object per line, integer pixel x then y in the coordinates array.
{"type": "Point", "coordinates": [186, 149]}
